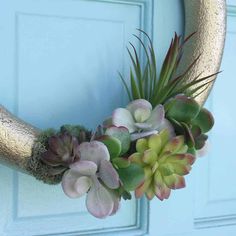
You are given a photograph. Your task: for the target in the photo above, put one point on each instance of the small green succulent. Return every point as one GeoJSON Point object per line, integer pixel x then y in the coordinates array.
{"type": "Point", "coordinates": [165, 161]}
{"type": "Point", "coordinates": [118, 140]}
{"type": "Point", "coordinates": [189, 119]}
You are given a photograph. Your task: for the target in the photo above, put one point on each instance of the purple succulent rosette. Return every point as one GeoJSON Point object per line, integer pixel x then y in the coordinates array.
{"type": "Point", "coordinates": [62, 151]}
{"type": "Point", "coordinates": [146, 147]}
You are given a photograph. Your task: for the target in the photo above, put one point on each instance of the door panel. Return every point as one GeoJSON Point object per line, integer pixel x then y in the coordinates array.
{"type": "Point", "coordinates": [218, 198]}
{"type": "Point", "coordinates": [208, 205]}
{"type": "Point", "coordinates": [58, 63]}
{"type": "Point", "coordinates": [61, 66]}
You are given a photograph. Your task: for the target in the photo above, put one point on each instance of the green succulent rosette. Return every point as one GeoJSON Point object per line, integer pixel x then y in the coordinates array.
{"type": "Point", "coordinates": [165, 161]}
{"type": "Point", "coordinates": [189, 119]}
{"type": "Point", "coordinates": [118, 142]}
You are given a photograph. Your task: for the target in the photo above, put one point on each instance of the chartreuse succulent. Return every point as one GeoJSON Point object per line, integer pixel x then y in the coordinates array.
{"type": "Point", "coordinates": [165, 161]}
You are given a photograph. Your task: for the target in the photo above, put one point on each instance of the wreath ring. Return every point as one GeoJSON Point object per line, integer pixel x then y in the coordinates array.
{"type": "Point", "coordinates": [207, 18]}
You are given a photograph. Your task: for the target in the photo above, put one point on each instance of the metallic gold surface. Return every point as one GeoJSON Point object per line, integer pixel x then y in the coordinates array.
{"type": "Point", "coordinates": [208, 19]}
{"type": "Point", "coordinates": [16, 140]}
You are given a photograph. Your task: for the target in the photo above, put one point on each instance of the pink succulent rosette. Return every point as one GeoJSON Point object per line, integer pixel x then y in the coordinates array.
{"type": "Point", "coordinates": [95, 176]}
{"type": "Point", "coordinates": [140, 119]}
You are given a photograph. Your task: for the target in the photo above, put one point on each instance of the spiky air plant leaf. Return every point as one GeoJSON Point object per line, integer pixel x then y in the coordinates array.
{"type": "Point", "coordinates": [165, 161]}
{"type": "Point", "coordinates": [145, 82]}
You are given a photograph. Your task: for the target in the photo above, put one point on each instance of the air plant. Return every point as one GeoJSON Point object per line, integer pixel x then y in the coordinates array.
{"type": "Point", "coordinates": [157, 89]}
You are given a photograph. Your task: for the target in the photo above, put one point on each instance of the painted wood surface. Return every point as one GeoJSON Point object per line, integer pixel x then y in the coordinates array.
{"type": "Point", "coordinates": [58, 63]}
{"type": "Point", "coordinates": [207, 207]}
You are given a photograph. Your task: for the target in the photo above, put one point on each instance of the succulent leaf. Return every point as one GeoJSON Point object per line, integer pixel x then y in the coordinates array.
{"type": "Point", "coordinates": [140, 120]}
{"type": "Point", "coordinates": [136, 158]}
{"type": "Point", "coordinates": [175, 145]}
{"type": "Point", "coordinates": [141, 145]}
{"type": "Point", "coordinates": [94, 174]}
{"type": "Point", "coordinates": [155, 143]}
{"type": "Point", "coordinates": [200, 141]}
{"type": "Point", "coordinates": [113, 145]}
{"type": "Point", "coordinates": [149, 156]}
{"type": "Point", "coordinates": [122, 134]}
{"type": "Point", "coordinates": [108, 175]}
{"type": "Point", "coordinates": [61, 152]}
{"type": "Point", "coordinates": [131, 176]}
{"type": "Point", "coordinates": [188, 135]}
{"type": "Point", "coordinates": [121, 162]}
{"type": "Point", "coordinates": [204, 120]}
{"type": "Point", "coordinates": [182, 108]}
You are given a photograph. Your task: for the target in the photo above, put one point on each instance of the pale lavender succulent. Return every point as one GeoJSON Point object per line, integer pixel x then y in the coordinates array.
{"type": "Point", "coordinates": [93, 174]}
{"type": "Point", "coordinates": [140, 119]}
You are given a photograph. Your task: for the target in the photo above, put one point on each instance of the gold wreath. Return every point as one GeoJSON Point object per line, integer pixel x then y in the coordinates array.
{"type": "Point", "coordinates": [207, 18]}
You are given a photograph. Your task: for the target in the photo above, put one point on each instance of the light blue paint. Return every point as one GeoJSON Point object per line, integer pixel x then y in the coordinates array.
{"type": "Point", "coordinates": [62, 66]}
{"type": "Point", "coordinates": [59, 63]}
{"type": "Point", "coordinates": [207, 207]}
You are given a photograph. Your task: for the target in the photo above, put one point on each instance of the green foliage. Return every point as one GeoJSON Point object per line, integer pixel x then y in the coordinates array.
{"type": "Point", "coordinates": [182, 108]}
{"type": "Point", "coordinates": [204, 120]}
{"type": "Point", "coordinates": [165, 161]}
{"type": "Point", "coordinates": [39, 169]}
{"type": "Point", "coordinates": [113, 145]}
{"type": "Point", "coordinates": [190, 120]}
{"type": "Point", "coordinates": [122, 134]}
{"type": "Point", "coordinates": [131, 176]}
{"type": "Point", "coordinates": [120, 162]}
{"type": "Point", "coordinates": [77, 131]}
{"type": "Point", "coordinates": [145, 83]}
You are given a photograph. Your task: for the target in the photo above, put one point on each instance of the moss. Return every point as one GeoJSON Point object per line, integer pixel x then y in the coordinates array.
{"type": "Point", "coordinates": [39, 169]}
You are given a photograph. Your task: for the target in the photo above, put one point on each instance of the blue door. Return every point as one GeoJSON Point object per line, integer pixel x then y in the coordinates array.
{"type": "Point", "coordinates": [58, 64]}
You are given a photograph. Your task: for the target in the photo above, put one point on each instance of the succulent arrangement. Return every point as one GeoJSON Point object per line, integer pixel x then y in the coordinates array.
{"type": "Point", "coordinates": [147, 147]}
